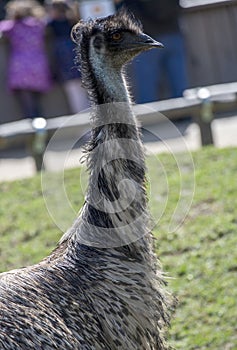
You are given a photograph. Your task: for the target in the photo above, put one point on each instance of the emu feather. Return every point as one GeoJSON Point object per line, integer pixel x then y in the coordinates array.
{"type": "Point", "coordinates": [102, 287]}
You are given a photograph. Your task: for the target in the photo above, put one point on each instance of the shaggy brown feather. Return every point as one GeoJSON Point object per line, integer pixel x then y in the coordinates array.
{"type": "Point", "coordinates": [102, 287]}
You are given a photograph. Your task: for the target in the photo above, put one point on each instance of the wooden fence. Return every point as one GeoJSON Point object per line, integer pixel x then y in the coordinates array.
{"type": "Point", "coordinates": [200, 104]}
{"type": "Point", "coordinates": [210, 29]}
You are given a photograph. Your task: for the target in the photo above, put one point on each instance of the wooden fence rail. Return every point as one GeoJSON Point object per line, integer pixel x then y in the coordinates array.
{"type": "Point", "coordinates": [202, 104]}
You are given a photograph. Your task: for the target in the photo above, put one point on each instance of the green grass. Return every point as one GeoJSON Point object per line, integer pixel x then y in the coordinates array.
{"type": "Point", "coordinates": [200, 256]}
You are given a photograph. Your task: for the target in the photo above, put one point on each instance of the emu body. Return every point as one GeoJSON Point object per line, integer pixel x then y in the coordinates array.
{"type": "Point", "coordinates": [102, 287]}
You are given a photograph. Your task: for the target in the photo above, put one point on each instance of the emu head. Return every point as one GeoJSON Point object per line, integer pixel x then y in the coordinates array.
{"type": "Point", "coordinates": [115, 39]}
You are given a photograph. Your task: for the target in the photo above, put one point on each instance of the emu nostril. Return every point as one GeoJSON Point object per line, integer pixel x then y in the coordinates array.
{"type": "Point", "coordinates": [149, 41]}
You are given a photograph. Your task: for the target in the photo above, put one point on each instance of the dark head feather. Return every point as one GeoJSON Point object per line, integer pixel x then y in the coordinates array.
{"type": "Point", "coordinates": [122, 20]}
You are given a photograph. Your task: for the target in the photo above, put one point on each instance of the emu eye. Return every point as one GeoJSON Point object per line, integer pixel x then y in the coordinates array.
{"type": "Point", "coordinates": [117, 36]}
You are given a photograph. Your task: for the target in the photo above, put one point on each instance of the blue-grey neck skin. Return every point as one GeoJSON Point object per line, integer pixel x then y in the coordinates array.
{"type": "Point", "coordinates": [110, 79]}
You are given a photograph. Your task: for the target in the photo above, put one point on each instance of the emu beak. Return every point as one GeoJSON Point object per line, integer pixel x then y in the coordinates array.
{"type": "Point", "coordinates": [145, 42]}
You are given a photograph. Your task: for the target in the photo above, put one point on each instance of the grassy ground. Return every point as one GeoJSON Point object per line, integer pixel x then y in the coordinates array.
{"type": "Point", "coordinates": [200, 256]}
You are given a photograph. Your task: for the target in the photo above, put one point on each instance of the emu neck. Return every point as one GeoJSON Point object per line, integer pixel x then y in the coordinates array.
{"type": "Point", "coordinates": [114, 213]}
{"type": "Point", "coordinates": [110, 84]}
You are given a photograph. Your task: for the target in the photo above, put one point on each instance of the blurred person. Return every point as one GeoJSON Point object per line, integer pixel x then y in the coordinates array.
{"type": "Point", "coordinates": [28, 72]}
{"type": "Point", "coordinates": [161, 20]}
{"type": "Point", "coordinates": [62, 17]}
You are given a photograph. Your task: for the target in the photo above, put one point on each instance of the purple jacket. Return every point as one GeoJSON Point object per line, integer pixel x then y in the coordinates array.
{"type": "Point", "coordinates": [28, 66]}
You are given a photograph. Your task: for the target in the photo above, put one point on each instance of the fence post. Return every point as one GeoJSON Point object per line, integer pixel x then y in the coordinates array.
{"type": "Point", "coordinates": [206, 116]}
{"type": "Point", "coordinates": [39, 142]}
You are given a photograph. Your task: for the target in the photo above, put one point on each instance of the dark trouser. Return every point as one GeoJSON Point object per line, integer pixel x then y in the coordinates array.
{"type": "Point", "coordinates": [29, 102]}
{"type": "Point", "coordinates": [149, 67]}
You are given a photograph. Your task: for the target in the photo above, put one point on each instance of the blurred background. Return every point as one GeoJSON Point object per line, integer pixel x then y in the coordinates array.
{"type": "Point", "coordinates": [193, 82]}
{"type": "Point", "coordinates": [207, 30]}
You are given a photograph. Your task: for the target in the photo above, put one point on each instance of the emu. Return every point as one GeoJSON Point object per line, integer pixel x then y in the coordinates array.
{"type": "Point", "coordinates": [102, 287]}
